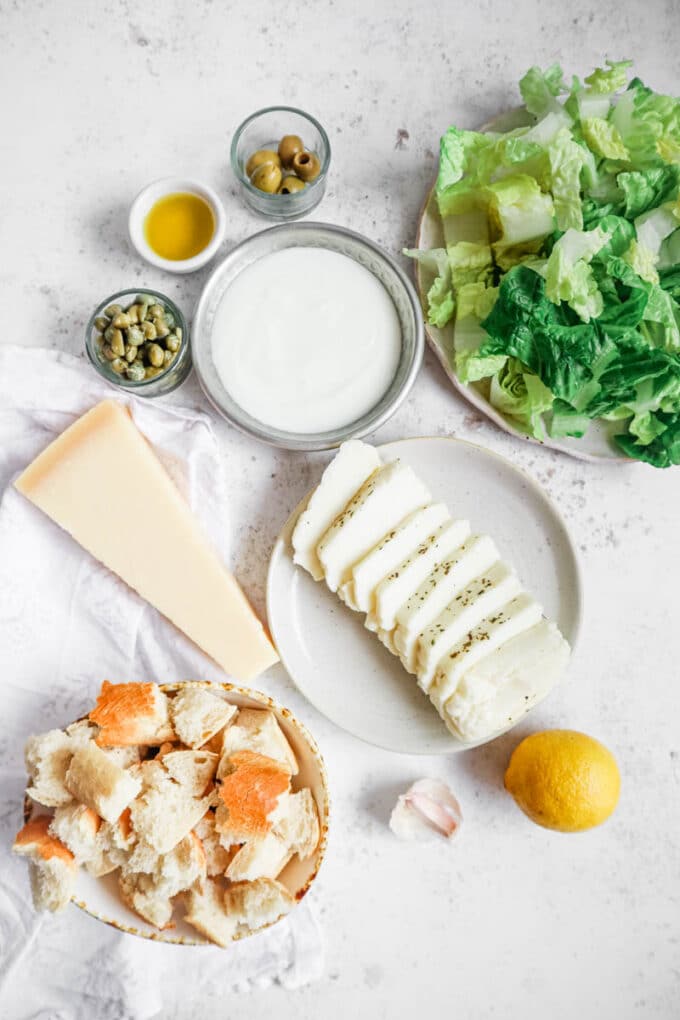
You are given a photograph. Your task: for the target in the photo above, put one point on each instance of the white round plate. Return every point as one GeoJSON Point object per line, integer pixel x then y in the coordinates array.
{"type": "Point", "coordinates": [597, 444]}
{"type": "Point", "coordinates": [344, 670]}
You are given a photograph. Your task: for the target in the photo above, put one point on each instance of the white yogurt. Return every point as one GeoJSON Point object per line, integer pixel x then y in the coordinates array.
{"type": "Point", "coordinates": [306, 340]}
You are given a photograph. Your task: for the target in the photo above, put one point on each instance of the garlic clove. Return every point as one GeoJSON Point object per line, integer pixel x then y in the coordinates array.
{"type": "Point", "coordinates": [428, 808]}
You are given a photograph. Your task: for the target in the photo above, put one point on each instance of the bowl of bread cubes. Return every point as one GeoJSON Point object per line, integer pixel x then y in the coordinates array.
{"type": "Point", "coordinates": [190, 813]}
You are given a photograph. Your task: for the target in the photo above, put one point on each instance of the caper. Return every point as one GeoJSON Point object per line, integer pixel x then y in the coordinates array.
{"type": "Point", "coordinates": [101, 323]}
{"type": "Point", "coordinates": [130, 352]}
{"type": "Point", "coordinates": [118, 366]}
{"type": "Point", "coordinates": [156, 355]}
{"type": "Point", "coordinates": [107, 353]}
{"type": "Point", "coordinates": [289, 185]}
{"type": "Point", "coordinates": [144, 299]}
{"type": "Point", "coordinates": [121, 321]}
{"type": "Point", "coordinates": [289, 146]}
{"type": "Point", "coordinates": [172, 342]}
{"type": "Point", "coordinates": [151, 371]}
{"type": "Point", "coordinates": [261, 158]}
{"type": "Point", "coordinates": [108, 333]}
{"type": "Point", "coordinates": [168, 356]}
{"type": "Point", "coordinates": [267, 178]}
{"type": "Point", "coordinates": [133, 314]}
{"type": "Point", "coordinates": [161, 327]}
{"type": "Point", "coordinates": [117, 343]}
{"type": "Point", "coordinates": [148, 330]}
{"type": "Point", "coordinates": [306, 165]}
{"type": "Point", "coordinates": [135, 372]}
{"type": "Point", "coordinates": [135, 336]}
{"type": "Point", "coordinates": [155, 310]}
{"type": "Point", "coordinates": [178, 333]}
{"type": "Point", "coordinates": [113, 310]}
{"type": "Point", "coordinates": [170, 319]}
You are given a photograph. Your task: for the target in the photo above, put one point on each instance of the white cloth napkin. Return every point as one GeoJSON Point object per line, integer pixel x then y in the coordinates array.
{"type": "Point", "coordinates": [67, 623]}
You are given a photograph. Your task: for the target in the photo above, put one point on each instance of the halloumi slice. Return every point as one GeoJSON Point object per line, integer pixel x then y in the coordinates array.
{"type": "Point", "coordinates": [518, 615]}
{"type": "Point", "coordinates": [503, 686]}
{"type": "Point", "coordinates": [396, 589]}
{"type": "Point", "coordinates": [391, 493]}
{"type": "Point", "coordinates": [484, 595]}
{"type": "Point", "coordinates": [442, 585]}
{"type": "Point", "coordinates": [397, 544]}
{"type": "Point", "coordinates": [353, 464]}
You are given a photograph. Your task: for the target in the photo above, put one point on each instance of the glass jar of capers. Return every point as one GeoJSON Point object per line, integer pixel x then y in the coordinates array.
{"type": "Point", "coordinates": [139, 340]}
{"type": "Point", "coordinates": [281, 158]}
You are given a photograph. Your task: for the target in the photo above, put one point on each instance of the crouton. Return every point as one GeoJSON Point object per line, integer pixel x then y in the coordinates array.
{"type": "Point", "coordinates": [298, 823]}
{"type": "Point", "coordinates": [47, 758]}
{"type": "Point", "coordinates": [194, 770]}
{"type": "Point", "coordinates": [217, 856]}
{"type": "Point", "coordinates": [207, 915]}
{"type": "Point", "coordinates": [131, 714]}
{"type": "Point", "coordinates": [94, 780]}
{"type": "Point", "coordinates": [197, 715]}
{"type": "Point", "coordinates": [259, 858]}
{"type": "Point", "coordinates": [257, 729]}
{"type": "Point", "coordinates": [257, 903]}
{"type": "Point", "coordinates": [77, 826]}
{"type": "Point", "coordinates": [163, 815]}
{"type": "Point", "coordinates": [250, 787]}
{"type": "Point", "coordinates": [53, 867]}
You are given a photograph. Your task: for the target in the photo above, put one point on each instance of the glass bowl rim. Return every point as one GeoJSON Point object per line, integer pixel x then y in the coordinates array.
{"type": "Point", "coordinates": [122, 381]}
{"type": "Point", "coordinates": [244, 180]}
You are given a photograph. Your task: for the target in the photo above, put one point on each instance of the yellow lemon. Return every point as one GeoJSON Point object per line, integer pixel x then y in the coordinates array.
{"type": "Point", "coordinates": [564, 780]}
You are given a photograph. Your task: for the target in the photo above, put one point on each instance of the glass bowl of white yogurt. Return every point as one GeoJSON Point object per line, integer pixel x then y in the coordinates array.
{"type": "Point", "coordinates": [306, 335]}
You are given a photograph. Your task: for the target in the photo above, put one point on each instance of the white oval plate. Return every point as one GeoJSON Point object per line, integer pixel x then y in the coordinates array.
{"type": "Point", "coordinates": [344, 671]}
{"type": "Point", "coordinates": [99, 897]}
{"type": "Point", "coordinates": [597, 443]}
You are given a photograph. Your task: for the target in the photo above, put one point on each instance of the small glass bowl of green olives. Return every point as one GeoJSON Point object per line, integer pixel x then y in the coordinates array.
{"type": "Point", "coordinates": [280, 157]}
{"type": "Point", "coordinates": [139, 340]}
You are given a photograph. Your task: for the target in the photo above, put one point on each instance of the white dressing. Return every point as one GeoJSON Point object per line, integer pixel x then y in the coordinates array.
{"type": "Point", "coordinates": [306, 340]}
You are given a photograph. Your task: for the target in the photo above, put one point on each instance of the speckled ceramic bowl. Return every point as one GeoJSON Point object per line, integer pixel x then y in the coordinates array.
{"type": "Point", "coordinates": [99, 897]}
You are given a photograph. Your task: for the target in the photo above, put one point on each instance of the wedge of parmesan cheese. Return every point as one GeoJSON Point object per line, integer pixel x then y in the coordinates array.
{"type": "Point", "coordinates": [344, 476]}
{"type": "Point", "coordinates": [387, 496]}
{"type": "Point", "coordinates": [102, 469]}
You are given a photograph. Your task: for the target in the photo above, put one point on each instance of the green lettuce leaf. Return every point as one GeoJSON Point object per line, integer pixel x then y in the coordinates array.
{"type": "Point", "coordinates": [441, 301]}
{"type": "Point", "coordinates": [566, 158]}
{"type": "Point", "coordinates": [521, 396]}
{"type": "Point", "coordinates": [649, 125]}
{"type": "Point", "coordinates": [469, 262]}
{"type": "Point", "coordinates": [520, 214]}
{"type": "Point", "coordinates": [646, 189]}
{"type": "Point", "coordinates": [662, 451]}
{"type": "Point", "coordinates": [602, 137]}
{"type": "Point", "coordinates": [475, 301]}
{"type": "Point", "coordinates": [567, 421]}
{"type": "Point", "coordinates": [642, 260]}
{"type": "Point", "coordinates": [609, 79]}
{"type": "Point", "coordinates": [539, 89]}
{"type": "Point", "coordinates": [568, 275]}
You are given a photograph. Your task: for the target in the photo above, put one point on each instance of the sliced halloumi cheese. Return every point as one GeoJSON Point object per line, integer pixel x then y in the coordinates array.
{"type": "Point", "coordinates": [484, 595]}
{"type": "Point", "coordinates": [442, 585]}
{"type": "Point", "coordinates": [396, 589]}
{"type": "Point", "coordinates": [353, 464]}
{"type": "Point", "coordinates": [518, 615]}
{"type": "Point", "coordinates": [503, 686]}
{"type": "Point", "coordinates": [384, 499]}
{"type": "Point", "coordinates": [390, 551]}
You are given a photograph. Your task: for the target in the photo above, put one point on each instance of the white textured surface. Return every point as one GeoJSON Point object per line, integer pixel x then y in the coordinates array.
{"type": "Point", "coordinates": [509, 920]}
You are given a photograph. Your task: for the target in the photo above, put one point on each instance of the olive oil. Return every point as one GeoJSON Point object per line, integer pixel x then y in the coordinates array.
{"type": "Point", "coordinates": [179, 226]}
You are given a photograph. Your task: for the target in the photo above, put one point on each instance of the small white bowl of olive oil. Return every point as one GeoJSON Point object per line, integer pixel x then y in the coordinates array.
{"type": "Point", "coordinates": [177, 224]}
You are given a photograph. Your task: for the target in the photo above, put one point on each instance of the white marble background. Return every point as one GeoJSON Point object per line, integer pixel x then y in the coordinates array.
{"type": "Point", "coordinates": [100, 97]}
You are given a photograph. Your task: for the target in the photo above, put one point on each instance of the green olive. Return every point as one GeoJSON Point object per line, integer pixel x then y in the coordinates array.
{"type": "Point", "coordinates": [135, 372]}
{"type": "Point", "coordinates": [161, 327]}
{"type": "Point", "coordinates": [121, 321]}
{"type": "Point", "coordinates": [101, 323]}
{"type": "Point", "coordinates": [172, 342]}
{"type": "Point", "coordinates": [289, 146]}
{"type": "Point", "coordinates": [290, 184]}
{"type": "Point", "coordinates": [306, 165]}
{"type": "Point", "coordinates": [156, 310]}
{"type": "Point", "coordinates": [130, 352]}
{"type": "Point", "coordinates": [260, 158]}
{"type": "Point", "coordinates": [118, 366]}
{"type": "Point", "coordinates": [107, 353]}
{"type": "Point", "coordinates": [151, 371]}
{"type": "Point", "coordinates": [168, 357]}
{"type": "Point", "coordinates": [148, 329]}
{"type": "Point", "coordinates": [267, 178]}
{"type": "Point", "coordinates": [113, 310]}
